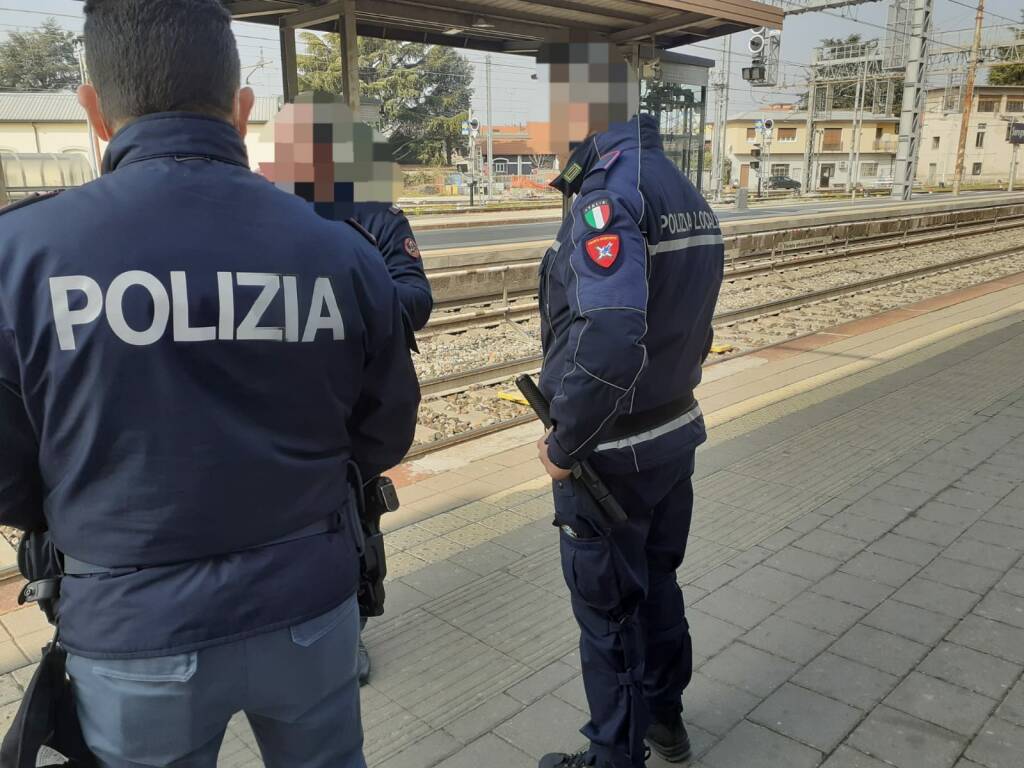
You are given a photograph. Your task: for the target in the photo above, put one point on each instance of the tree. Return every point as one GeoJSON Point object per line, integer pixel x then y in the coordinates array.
{"type": "Point", "coordinates": [43, 59]}
{"type": "Point", "coordinates": [1010, 74]}
{"type": "Point", "coordinates": [424, 91]}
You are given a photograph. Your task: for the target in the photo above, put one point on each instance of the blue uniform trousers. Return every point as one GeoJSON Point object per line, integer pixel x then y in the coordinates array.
{"type": "Point", "coordinates": [634, 640]}
{"type": "Point", "coordinates": [297, 686]}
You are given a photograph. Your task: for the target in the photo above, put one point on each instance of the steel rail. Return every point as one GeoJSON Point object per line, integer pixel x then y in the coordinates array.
{"type": "Point", "coordinates": [457, 382]}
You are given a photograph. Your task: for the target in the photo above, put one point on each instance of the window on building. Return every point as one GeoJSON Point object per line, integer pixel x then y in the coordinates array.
{"type": "Point", "coordinates": [935, 142]}
{"type": "Point", "coordinates": [988, 105]}
{"type": "Point", "coordinates": [979, 139]}
{"type": "Point", "coordinates": [976, 169]}
{"type": "Point", "coordinates": [1015, 105]}
{"type": "Point", "coordinates": [878, 132]}
{"type": "Point", "coordinates": [780, 169]}
{"type": "Point", "coordinates": [751, 134]}
{"type": "Point", "coordinates": [832, 139]}
{"type": "Point", "coordinates": [869, 170]}
{"type": "Point", "coordinates": [787, 134]}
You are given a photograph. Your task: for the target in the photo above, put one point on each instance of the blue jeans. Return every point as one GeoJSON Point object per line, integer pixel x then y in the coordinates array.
{"type": "Point", "coordinates": [297, 686]}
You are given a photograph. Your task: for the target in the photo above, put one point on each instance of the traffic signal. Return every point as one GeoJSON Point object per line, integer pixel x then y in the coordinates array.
{"type": "Point", "coordinates": [756, 74]}
{"type": "Point", "coordinates": [755, 151]}
{"type": "Point", "coordinates": [755, 165]}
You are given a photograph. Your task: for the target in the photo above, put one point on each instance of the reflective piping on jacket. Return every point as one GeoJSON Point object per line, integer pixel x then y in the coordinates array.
{"type": "Point", "coordinates": [681, 243]}
{"type": "Point", "coordinates": [652, 434]}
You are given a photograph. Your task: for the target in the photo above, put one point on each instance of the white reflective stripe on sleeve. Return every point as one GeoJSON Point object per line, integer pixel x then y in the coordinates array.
{"type": "Point", "coordinates": [642, 437]}
{"type": "Point", "coordinates": [555, 245]}
{"type": "Point", "coordinates": [693, 241]}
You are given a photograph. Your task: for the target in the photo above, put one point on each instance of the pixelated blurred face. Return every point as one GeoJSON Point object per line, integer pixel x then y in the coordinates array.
{"type": "Point", "coordinates": [323, 155]}
{"type": "Point", "coordinates": [588, 90]}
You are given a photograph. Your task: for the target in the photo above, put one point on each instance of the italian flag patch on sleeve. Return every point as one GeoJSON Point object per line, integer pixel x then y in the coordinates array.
{"type": "Point", "coordinates": [598, 214]}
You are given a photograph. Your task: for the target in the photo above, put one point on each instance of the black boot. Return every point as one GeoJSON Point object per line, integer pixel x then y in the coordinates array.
{"type": "Point", "coordinates": [582, 759]}
{"type": "Point", "coordinates": [364, 663]}
{"type": "Point", "coordinates": [669, 739]}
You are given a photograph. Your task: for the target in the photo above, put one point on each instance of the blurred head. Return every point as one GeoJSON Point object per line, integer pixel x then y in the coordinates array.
{"type": "Point", "coordinates": [589, 90]}
{"type": "Point", "coordinates": [148, 56]}
{"type": "Point", "coordinates": [325, 156]}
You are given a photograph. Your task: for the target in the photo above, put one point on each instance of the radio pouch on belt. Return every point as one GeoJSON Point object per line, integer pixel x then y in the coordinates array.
{"type": "Point", "coordinates": [46, 730]}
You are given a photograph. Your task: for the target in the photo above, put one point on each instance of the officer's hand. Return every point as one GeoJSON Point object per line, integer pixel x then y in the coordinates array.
{"type": "Point", "coordinates": [556, 472]}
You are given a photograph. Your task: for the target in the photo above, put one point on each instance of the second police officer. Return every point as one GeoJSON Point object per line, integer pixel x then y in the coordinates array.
{"type": "Point", "coordinates": [345, 169]}
{"type": "Point", "coordinates": [627, 295]}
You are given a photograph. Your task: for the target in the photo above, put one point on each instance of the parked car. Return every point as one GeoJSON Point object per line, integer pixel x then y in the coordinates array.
{"type": "Point", "coordinates": [783, 182]}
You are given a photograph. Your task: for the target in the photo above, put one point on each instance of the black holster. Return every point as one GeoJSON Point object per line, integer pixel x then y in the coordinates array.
{"type": "Point", "coordinates": [39, 563]}
{"type": "Point", "coordinates": [47, 716]}
{"type": "Point", "coordinates": [377, 498]}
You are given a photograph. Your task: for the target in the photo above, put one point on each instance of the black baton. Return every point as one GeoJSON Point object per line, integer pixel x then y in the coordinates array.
{"type": "Point", "coordinates": [581, 470]}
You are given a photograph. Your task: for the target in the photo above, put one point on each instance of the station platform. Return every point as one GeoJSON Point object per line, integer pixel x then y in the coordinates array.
{"type": "Point", "coordinates": [854, 580]}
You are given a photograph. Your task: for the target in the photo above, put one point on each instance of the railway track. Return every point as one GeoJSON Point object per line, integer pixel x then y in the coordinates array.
{"type": "Point", "coordinates": [491, 308]}
{"type": "Point", "coordinates": [497, 373]}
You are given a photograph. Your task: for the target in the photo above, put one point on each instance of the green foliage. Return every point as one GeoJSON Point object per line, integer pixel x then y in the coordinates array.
{"type": "Point", "coordinates": [424, 91]}
{"type": "Point", "coordinates": [832, 42]}
{"type": "Point", "coordinates": [43, 59]}
{"type": "Point", "coordinates": [1010, 74]}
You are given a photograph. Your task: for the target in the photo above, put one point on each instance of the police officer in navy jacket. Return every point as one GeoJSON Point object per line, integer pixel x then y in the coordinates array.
{"type": "Point", "coordinates": [627, 295]}
{"type": "Point", "coordinates": [193, 364]}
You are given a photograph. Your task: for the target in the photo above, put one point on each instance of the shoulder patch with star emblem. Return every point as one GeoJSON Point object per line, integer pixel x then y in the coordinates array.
{"type": "Point", "coordinates": [604, 250]}
{"type": "Point", "coordinates": [411, 247]}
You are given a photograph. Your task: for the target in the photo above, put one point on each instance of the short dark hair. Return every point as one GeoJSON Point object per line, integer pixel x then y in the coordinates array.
{"type": "Point", "coordinates": [147, 56]}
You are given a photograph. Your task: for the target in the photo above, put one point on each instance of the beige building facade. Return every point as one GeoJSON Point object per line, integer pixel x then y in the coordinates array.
{"type": "Point", "coordinates": [55, 124]}
{"type": "Point", "coordinates": [987, 152]}
{"type": "Point", "coordinates": [831, 166]}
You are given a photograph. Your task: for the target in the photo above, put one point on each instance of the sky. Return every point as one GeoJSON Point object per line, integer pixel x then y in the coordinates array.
{"type": "Point", "coordinates": [516, 98]}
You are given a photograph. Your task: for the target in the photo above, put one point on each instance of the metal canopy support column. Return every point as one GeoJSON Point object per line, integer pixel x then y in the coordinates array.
{"type": "Point", "coordinates": [913, 101]}
{"type": "Point", "coordinates": [289, 63]}
{"type": "Point", "coordinates": [349, 53]}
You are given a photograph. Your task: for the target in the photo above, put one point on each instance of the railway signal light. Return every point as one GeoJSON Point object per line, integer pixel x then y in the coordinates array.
{"type": "Point", "coordinates": [755, 74]}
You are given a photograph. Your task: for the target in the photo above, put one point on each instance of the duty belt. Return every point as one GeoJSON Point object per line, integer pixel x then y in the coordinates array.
{"type": "Point", "coordinates": [631, 423]}
{"type": "Point", "coordinates": [76, 567]}
{"type": "Point", "coordinates": [634, 428]}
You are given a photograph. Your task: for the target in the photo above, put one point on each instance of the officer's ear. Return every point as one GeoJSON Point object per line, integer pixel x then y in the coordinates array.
{"type": "Point", "coordinates": [244, 102]}
{"type": "Point", "coordinates": [90, 102]}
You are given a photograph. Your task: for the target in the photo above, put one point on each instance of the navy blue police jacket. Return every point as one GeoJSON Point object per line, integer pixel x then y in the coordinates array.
{"type": "Point", "coordinates": [190, 359]}
{"type": "Point", "coordinates": [627, 295]}
{"type": "Point", "coordinates": [391, 229]}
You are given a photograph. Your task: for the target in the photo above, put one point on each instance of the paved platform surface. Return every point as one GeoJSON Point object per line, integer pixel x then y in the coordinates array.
{"type": "Point", "coordinates": [855, 578]}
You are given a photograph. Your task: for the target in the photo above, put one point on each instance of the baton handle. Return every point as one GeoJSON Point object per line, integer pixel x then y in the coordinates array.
{"type": "Point", "coordinates": [535, 398]}
{"type": "Point", "coordinates": [581, 470]}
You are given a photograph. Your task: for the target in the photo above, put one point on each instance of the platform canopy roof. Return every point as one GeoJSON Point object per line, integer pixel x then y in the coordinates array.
{"type": "Point", "coordinates": [518, 26]}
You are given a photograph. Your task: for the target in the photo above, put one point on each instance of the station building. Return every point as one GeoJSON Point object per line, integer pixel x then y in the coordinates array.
{"type": "Point", "coordinates": [987, 153]}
